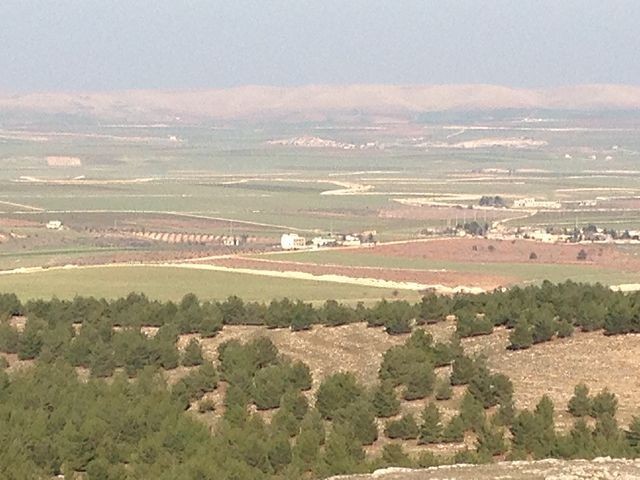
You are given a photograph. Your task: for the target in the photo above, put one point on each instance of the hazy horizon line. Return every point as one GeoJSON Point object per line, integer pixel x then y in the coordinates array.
{"type": "Point", "coordinates": [5, 92]}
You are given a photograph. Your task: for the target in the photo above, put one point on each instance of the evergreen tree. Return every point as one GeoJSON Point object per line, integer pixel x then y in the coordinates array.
{"type": "Point", "coordinates": [453, 431]}
{"type": "Point", "coordinates": [9, 338]}
{"type": "Point", "coordinates": [29, 343]}
{"type": "Point", "coordinates": [279, 451]}
{"type": "Point", "coordinates": [491, 441]}
{"type": "Point", "coordinates": [270, 384]}
{"type": "Point", "coordinates": [464, 369]}
{"type": "Point", "coordinates": [360, 418]}
{"type": "Point", "coordinates": [604, 403]}
{"type": "Point", "coordinates": [309, 440]}
{"type": "Point", "coordinates": [393, 455]}
{"type": "Point", "coordinates": [565, 329]}
{"type": "Point", "coordinates": [443, 390]}
{"type": "Point", "coordinates": [299, 376]}
{"type": "Point", "coordinates": [211, 322]}
{"type": "Point", "coordinates": [521, 336]}
{"type": "Point", "coordinates": [580, 404]}
{"type": "Point", "coordinates": [405, 428]}
{"type": "Point", "coordinates": [300, 322]}
{"type": "Point", "coordinates": [420, 382]}
{"type": "Point", "coordinates": [192, 355]}
{"type": "Point", "coordinates": [471, 412]}
{"type": "Point", "coordinates": [431, 427]}
{"type": "Point", "coordinates": [581, 443]}
{"type": "Point", "coordinates": [343, 453]}
{"type": "Point", "coordinates": [544, 325]}
{"type": "Point", "coordinates": [336, 392]}
{"type": "Point", "coordinates": [432, 309]}
{"type": "Point", "coordinates": [384, 400]}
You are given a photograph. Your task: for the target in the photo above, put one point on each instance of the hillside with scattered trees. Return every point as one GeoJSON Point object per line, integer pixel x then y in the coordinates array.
{"type": "Point", "coordinates": [106, 390]}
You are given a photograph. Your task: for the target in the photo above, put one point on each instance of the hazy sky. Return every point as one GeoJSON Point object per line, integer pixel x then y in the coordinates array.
{"type": "Point", "coordinates": [110, 44]}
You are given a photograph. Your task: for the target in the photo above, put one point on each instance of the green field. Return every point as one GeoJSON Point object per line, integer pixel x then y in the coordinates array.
{"type": "Point", "coordinates": [171, 283]}
{"type": "Point", "coordinates": [215, 176]}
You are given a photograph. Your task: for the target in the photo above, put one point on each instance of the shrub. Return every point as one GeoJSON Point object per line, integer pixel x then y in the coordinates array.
{"type": "Point", "coordinates": [206, 405]}
{"type": "Point", "coordinates": [405, 428]}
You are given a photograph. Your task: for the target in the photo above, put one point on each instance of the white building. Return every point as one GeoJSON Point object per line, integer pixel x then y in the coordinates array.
{"type": "Point", "coordinates": [351, 241]}
{"type": "Point", "coordinates": [54, 225]}
{"type": "Point", "coordinates": [292, 241]}
{"type": "Point", "coordinates": [533, 203]}
{"type": "Point", "coordinates": [319, 242]}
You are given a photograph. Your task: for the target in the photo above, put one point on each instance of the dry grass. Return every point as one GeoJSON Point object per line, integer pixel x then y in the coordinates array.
{"type": "Point", "coordinates": [326, 350]}
{"type": "Point", "coordinates": [554, 368]}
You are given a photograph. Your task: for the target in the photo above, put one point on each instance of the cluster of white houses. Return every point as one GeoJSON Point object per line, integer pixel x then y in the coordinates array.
{"type": "Point", "coordinates": [533, 203]}
{"type": "Point", "coordinates": [293, 241]}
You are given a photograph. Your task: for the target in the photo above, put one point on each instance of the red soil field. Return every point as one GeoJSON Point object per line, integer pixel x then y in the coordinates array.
{"type": "Point", "coordinates": [479, 250]}
{"type": "Point", "coordinates": [437, 277]}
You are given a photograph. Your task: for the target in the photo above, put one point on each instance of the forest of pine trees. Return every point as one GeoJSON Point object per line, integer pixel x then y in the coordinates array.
{"type": "Point", "coordinates": [127, 421]}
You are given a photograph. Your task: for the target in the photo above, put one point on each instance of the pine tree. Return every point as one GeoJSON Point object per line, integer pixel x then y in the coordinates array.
{"type": "Point", "coordinates": [299, 376]}
{"type": "Point", "coordinates": [393, 455]}
{"type": "Point", "coordinates": [453, 431]}
{"type": "Point", "coordinates": [29, 344]}
{"type": "Point", "coordinates": [604, 403]}
{"type": "Point", "coordinates": [580, 404]}
{"type": "Point", "coordinates": [491, 441]}
{"type": "Point", "coordinates": [343, 453]}
{"type": "Point", "coordinates": [337, 392]}
{"type": "Point", "coordinates": [444, 390]}
{"type": "Point", "coordinates": [384, 400]}
{"type": "Point", "coordinates": [268, 387]}
{"type": "Point", "coordinates": [431, 428]}
{"type": "Point", "coordinates": [307, 447]}
{"type": "Point", "coordinates": [565, 329]}
{"type": "Point", "coordinates": [463, 370]}
{"type": "Point", "coordinates": [521, 336]}
{"type": "Point", "coordinates": [471, 412]}
{"type": "Point", "coordinates": [211, 322]}
{"type": "Point", "coordinates": [405, 428]}
{"type": "Point", "coordinates": [420, 381]}
{"type": "Point", "coordinates": [192, 355]}
{"type": "Point", "coordinates": [360, 418]}
{"type": "Point", "coordinates": [279, 451]}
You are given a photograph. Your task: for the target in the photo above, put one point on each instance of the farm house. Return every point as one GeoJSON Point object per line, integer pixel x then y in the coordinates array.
{"type": "Point", "coordinates": [292, 241]}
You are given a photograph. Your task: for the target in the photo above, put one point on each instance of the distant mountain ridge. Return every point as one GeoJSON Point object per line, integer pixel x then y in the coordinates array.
{"type": "Point", "coordinates": [317, 101]}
